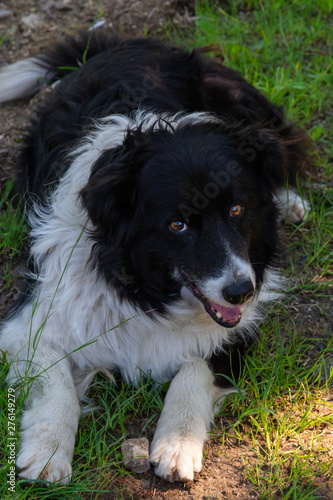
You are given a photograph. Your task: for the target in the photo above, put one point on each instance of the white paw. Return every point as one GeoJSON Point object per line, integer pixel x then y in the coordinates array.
{"type": "Point", "coordinates": [293, 208]}
{"type": "Point", "coordinates": [176, 458]}
{"type": "Point", "coordinates": [298, 210]}
{"type": "Point", "coordinates": [41, 461]}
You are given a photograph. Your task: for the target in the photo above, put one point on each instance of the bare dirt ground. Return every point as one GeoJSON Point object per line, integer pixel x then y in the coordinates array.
{"type": "Point", "coordinates": [31, 26]}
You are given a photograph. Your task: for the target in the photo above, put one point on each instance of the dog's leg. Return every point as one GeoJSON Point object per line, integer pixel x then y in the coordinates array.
{"type": "Point", "coordinates": [50, 421]}
{"type": "Point", "coordinates": [181, 431]}
{"type": "Point", "coordinates": [292, 207]}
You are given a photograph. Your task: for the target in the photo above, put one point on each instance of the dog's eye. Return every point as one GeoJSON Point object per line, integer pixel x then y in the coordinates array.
{"type": "Point", "coordinates": [235, 210]}
{"type": "Point", "coordinates": [178, 226]}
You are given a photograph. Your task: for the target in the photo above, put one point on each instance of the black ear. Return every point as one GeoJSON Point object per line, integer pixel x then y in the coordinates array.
{"type": "Point", "coordinates": [109, 196]}
{"type": "Point", "coordinates": [266, 154]}
{"type": "Point", "coordinates": [272, 155]}
{"type": "Point", "coordinates": [278, 153]}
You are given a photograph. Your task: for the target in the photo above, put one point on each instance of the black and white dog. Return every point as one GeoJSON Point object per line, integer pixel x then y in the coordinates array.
{"type": "Point", "coordinates": [158, 178]}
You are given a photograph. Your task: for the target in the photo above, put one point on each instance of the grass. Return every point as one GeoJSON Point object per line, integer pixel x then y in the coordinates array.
{"type": "Point", "coordinates": [12, 223]}
{"type": "Point", "coordinates": [283, 415]}
{"type": "Point", "coordinates": [13, 229]}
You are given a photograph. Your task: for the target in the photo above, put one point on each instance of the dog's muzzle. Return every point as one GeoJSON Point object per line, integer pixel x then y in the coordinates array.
{"type": "Point", "coordinates": [235, 294]}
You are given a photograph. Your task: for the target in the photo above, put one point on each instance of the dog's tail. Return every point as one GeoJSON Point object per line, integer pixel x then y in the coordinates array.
{"type": "Point", "coordinates": [24, 78]}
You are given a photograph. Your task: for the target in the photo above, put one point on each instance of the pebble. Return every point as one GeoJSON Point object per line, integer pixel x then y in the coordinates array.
{"type": "Point", "coordinates": [136, 454]}
{"type": "Point", "coordinates": [5, 13]}
{"type": "Point", "coordinates": [32, 21]}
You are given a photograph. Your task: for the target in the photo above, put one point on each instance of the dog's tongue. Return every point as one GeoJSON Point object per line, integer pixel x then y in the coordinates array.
{"type": "Point", "coordinates": [225, 316]}
{"type": "Point", "coordinates": [228, 314]}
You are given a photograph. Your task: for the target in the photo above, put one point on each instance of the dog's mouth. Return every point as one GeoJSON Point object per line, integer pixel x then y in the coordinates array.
{"type": "Point", "coordinates": [222, 315]}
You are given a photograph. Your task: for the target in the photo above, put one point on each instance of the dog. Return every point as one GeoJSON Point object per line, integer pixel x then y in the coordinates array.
{"type": "Point", "coordinates": [157, 179]}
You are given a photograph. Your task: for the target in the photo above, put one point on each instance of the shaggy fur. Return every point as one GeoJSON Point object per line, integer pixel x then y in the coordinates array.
{"type": "Point", "coordinates": [158, 178]}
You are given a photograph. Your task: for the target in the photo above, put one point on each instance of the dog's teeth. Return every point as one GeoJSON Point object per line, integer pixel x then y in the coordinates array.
{"type": "Point", "coordinates": [218, 315]}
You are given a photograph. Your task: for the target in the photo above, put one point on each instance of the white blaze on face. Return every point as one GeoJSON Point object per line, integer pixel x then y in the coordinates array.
{"type": "Point", "coordinates": [226, 295]}
{"type": "Point", "coordinates": [236, 270]}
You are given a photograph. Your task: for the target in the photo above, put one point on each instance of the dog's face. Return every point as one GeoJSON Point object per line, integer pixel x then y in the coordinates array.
{"type": "Point", "coordinates": [193, 209]}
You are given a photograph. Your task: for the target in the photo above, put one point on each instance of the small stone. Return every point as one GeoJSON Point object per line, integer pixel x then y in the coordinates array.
{"type": "Point", "coordinates": [136, 454]}
{"type": "Point", "coordinates": [32, 21]}
{"type": "Point", "coordinates": [63, 6]}
{"type": "Point", "coordinates": [5, 13]}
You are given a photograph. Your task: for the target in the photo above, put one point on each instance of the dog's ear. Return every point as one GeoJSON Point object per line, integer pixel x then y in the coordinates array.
{"type": "Point", "coordinates": [110, 193]}
{"type": "Point", "coordinates": [272, 156]}
{"type": "Point", "coordinates": [267, 154]}
{"type": "Point", "coordinates": [277, 150]}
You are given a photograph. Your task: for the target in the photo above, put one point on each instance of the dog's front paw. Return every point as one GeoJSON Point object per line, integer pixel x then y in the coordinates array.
{"type": "Point", "coordinates": [298, 210]}
{"type": "Point", "coordinates": [39, 461]}
{"type": "Point", "coordinates": [293, 209]}
{"type": "Point", "coordinates": [176, 458]}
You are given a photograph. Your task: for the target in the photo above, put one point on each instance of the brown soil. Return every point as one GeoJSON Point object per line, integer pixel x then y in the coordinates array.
{"type": "Point", "coordinates": [32, 26]}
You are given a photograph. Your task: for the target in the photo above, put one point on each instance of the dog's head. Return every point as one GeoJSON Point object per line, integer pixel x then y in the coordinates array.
{"type": "Point", "coordinates": [189, 206]}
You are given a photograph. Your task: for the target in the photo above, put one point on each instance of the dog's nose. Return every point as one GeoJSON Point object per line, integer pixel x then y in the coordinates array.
{"type": "Point", "coordinates": [238, 292]}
